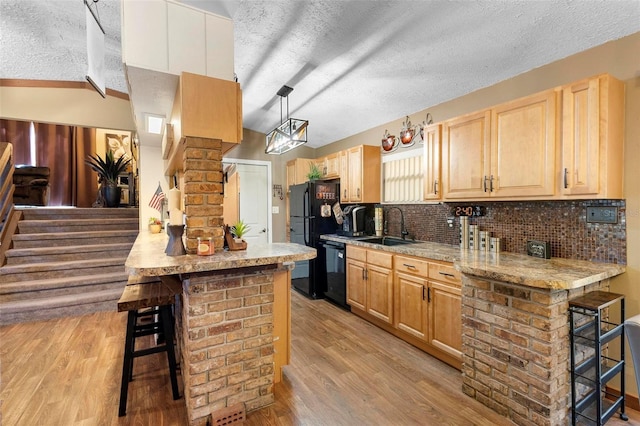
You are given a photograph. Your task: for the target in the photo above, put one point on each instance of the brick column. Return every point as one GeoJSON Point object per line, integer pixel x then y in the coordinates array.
{"type": "Point", "coordinates": [515, 349]}
{"type": "Point", "coordinates": [225, 335]}
{"type": "Point", "coordinates": [202, 163]}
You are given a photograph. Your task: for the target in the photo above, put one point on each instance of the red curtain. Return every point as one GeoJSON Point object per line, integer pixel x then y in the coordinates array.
{"type": "Point", "coordinates": [17, 133]}
{"type": "Point", "coordinates": [84, 181]}
{"type": "Point", "coordinates": [63, 150]}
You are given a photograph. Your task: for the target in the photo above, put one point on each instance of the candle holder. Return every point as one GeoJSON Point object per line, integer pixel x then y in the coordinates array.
{"type": "Point", "coordinates": [175, 246]}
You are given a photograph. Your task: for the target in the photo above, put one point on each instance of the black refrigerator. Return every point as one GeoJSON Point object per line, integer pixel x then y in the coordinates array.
{"type": "Point", "coordinates": [311, 215]}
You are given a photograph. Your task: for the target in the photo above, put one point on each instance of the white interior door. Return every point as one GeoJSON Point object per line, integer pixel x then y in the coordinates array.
{"type": "Point", "coordinates": [255, 200]}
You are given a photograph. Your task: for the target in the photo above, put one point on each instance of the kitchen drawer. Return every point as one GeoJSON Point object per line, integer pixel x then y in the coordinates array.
{"type": "Point", "coordinates": [412, 265]}
{"type": "Point", "coordinates": [380, 258]}
{"type": "Point", "coordinates": [356, 253]}
{"type": "Point", "coordinates": [444, 272]}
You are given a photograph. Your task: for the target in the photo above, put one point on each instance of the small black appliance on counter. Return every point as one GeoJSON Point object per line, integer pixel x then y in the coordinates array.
{"type": "Point", "coordinates": [353, 221]}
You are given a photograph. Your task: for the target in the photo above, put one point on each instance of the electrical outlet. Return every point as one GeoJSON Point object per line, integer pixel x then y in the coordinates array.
{"type": "Point", "coordinates": [602, 214]}
{"type": "Point", "coordinates": [450, 222]}
{"type": "Point", "coordinates": [275, 209]}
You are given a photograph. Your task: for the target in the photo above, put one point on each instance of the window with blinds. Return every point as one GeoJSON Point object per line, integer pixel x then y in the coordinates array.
{"type": "Point", "coordinates": [403, 177]}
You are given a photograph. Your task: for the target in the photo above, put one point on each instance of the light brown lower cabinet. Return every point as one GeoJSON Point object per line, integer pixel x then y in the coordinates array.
{"type": "Point", "coordinates": [370, 282]}
{"type": "Point", "coordinates": [416, 299]}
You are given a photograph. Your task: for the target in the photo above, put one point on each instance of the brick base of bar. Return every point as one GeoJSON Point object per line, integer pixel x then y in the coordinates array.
{"type": "Point", "coordinates": [515, 344]}
{"type": "Point", "coordinates": [227, 353]}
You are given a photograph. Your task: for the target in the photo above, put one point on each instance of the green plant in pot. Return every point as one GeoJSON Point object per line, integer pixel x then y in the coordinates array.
{"type": "Point", "coordinates": [239, 230]}
{"type": "Point", "coordinates": [108, 170]}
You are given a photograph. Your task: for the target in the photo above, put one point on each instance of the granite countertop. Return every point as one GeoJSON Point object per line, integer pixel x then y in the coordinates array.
{"type": "Point", "coordinates": [147, 257]}
{"type": "Point", "coordinates": [514, 268]}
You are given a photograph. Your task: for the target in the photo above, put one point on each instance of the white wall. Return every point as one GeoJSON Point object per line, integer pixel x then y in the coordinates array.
{"type": "Point", "coordinates": [151, 171]}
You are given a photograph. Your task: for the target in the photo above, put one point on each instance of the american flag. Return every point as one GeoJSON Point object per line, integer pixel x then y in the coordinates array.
{"type": "Point", "coordinates": [156, 200]}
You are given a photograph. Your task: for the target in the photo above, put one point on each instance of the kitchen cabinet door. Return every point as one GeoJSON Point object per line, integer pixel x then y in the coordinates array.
{"type": "Point", "coordinates": [465, 156]}
{"type": "Point", "coordinates": [380, 292]}
{"type": "Point", "coordinates": [432, 159]}
{"type": "Point", "coordinates": [145, 34]}
{"type": "Point", "coordinates": [297, 171]}
{"type": "Point", "coordinates": [592, 138]}
{"type": "Point", "coordinates": [332, 166]}
{"type": "Point", "coordinates": [523, 147]}
{"type": "Point", "coordinates": [360, 182]}
{"type": "Point", "coordinates": [354, 181]}
{"type": "Point", "coordinates": [356, 284]}
{"type": "Point", "coordinates": [446, 318]}
{"type": "Point", "coordinates": [411, 313]}
{"type": "Point", "coordinates": [344, 176]}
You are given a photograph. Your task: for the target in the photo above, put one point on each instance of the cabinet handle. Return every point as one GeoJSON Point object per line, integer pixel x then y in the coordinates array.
{"type": "Point", "coordinates": [447, 274]}
{"type": "Point", "coordinates": [429, 295]}
{"type": "Point", "coordinates": [423, 292]}
{"type": "Point", "coordinates": [364, 277]}
{"type": "Point", "coordinates": [409, 266]}
{"type": "Point", "coordinates": [435, 187]}
{"type": "Point", "coordinates": [566, 180]}
{"type": "Point", "coordinates": [484, 184]}
{"type": "Point", "coordinates": [491, 184]}
{"type": "Point", "coordinates": [324, 170]}
{"type": "Point", "coordinates": [358, 192]}
{"type": "Point", "coordinates": [345, 193]}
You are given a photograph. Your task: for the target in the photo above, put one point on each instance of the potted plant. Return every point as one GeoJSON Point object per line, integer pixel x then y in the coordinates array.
{"type": "Point", "coordinates": [155, 225]}
{"type": "Point", "coordinates": [108, 170]}
{"type": "Point", "coordinates": [314, 171]}
{"type": "Point", "coordinates": [239, 230]}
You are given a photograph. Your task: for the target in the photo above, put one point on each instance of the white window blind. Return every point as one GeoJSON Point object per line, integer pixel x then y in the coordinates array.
{"type": "Point", "coordinates": [403, 177]}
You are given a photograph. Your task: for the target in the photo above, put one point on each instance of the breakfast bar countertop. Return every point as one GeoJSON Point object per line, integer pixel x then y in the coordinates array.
{"type": "Point", "coordinates": [147, 257]}
{"type": "Point", "coordinates": [554, 273]}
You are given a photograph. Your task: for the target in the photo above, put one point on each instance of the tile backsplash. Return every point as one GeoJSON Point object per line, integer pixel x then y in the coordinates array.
{"type": "Point", "coordinates": [562, 223]}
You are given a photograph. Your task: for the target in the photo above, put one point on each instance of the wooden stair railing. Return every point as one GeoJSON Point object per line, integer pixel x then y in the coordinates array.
{"type": "Point", "coordinates": [8, 215]}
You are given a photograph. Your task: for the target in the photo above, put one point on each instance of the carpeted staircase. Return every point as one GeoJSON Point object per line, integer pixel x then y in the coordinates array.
{"type": "Point", "coordinates": [66, 262]}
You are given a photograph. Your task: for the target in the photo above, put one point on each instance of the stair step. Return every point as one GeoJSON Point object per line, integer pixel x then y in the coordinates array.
{"type": "Point", "coordinates": [58, 239]}
{"type": "Point", "coordinates": [45, 270]}
{"type": "Point", "coordinates": [47, 288]}
{"type": "Point", "coordinates": [45, 213]}
{"type": "Point", "coordinates": [70, 225]}
{"type": "Point", "coordinates": [58, 254]}
{"type": "Point", "coordinates": [54, 283]}
{"type": "Point", "coordinates": [59, 306]}
{"type": "Point", "coordinates": [66, 261]}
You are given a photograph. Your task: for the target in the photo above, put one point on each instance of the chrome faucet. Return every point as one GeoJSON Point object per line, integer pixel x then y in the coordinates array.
{"type": "Point", "coordinates": [403, 230]}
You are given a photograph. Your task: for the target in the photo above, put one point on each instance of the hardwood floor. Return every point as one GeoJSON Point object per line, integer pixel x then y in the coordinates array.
{"type": "Point", "coordinates": [343, 371]}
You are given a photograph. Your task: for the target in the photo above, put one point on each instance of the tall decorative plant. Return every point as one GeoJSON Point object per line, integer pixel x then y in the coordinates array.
{"type": "Point", "coordinates": [108, 170]}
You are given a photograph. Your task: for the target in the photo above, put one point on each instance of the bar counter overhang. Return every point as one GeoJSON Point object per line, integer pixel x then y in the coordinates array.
{"type": "Point", "coordinates": [232, 319]}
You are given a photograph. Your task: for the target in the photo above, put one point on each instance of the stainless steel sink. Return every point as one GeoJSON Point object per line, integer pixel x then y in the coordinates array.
{"type": "Point", "coordinates": [386, 241]}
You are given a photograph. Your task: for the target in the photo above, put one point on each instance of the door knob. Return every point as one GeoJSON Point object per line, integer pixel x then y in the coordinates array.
{"type": "Point", "coordinates": [264, 230]}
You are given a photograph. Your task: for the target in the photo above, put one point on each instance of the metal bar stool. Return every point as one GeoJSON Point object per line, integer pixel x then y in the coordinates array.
{"type": "Point", "coordinates": [144, 298]}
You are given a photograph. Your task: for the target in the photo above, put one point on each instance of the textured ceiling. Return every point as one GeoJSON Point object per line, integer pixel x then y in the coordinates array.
{"type": "Point", "coordinates": [353, 65]}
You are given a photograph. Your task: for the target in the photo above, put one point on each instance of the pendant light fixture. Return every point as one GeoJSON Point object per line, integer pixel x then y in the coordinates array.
{"type": "Point", "coordinates": [290, 133]}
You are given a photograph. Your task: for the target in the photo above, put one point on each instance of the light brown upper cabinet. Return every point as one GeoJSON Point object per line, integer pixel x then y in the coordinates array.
{"type": "Point", "coordinates": [297, 171]}
{"type": "Point", "coordinates": [592, 138]}
{"type": "Point", "coordinates": [465, 155]}
{"type": "Point", "coordinates": [505, 152]}
{"type": "Point", "coordinates": [432, 159]}
{"type": "Point", "coordinates": [360, 175]}
{"type": "Point", "coordinates": [204, 107]}
{"type": "Point", "coordinates": [523, 147]}
{"type": "Point", "coordinates": [331, 166]}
